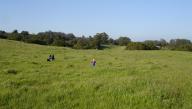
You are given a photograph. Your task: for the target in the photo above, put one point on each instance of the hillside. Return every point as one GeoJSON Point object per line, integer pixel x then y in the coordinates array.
{"type": "Point", "coordinates": [122, 79]}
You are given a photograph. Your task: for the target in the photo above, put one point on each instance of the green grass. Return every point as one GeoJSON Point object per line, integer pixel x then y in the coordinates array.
{"type": "Point", "coordinates": [122, 79]}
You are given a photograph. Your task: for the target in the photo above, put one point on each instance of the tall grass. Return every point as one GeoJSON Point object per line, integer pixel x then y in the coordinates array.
{"type": "Point", "coordinates": [121, 79]}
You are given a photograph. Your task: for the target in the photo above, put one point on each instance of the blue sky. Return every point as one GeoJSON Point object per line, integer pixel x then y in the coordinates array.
{"type": "Point", "coordinates": [138, 19]}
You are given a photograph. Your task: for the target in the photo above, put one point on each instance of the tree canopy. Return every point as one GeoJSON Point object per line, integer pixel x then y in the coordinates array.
{"type": "Point", "coordinates": [97, 41]}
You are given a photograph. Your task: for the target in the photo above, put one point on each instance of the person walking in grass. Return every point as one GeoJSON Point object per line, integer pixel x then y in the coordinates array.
{"type": "Point", "coordinates": [93, 62]}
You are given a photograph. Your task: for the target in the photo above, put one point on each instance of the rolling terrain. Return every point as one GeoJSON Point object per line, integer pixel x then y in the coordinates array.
{"type": "Point", "coordinates": [122, 79]}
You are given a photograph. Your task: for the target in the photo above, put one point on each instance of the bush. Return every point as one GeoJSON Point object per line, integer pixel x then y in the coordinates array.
{"type": "Point", "coordinates": [136, 46]}
{"type": "Point", "coordinates": [186, 47]}
{"type": "Point", "coordinates": [3, 34]}
{"type": "Point", "coordinates": [141, 46]}
{"type": "Point", "coordinates": [180, 44]}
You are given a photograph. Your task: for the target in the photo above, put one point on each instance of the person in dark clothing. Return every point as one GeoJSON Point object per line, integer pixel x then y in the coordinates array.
{"type": "Point", "coordinates": [49, 58]}
{"type": "Point", "coordinates": [53, 57]}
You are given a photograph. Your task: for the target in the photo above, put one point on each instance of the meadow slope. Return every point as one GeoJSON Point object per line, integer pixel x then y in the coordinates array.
{"type": "Point", "coordinates": [122, 79]}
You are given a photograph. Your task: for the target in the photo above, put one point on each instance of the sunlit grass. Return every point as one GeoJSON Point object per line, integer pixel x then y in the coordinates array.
{"type": "Point", "coordinates": [122, 79]}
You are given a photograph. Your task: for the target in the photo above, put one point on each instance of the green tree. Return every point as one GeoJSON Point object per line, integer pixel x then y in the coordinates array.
{"type": "Point", "coordinates": [163, 43]}
{"type": "Point", "coordinates": [82, 43]}
{"type": "Point", "coordinates": [123, 41]}
{"type": "Point", "coordinates": [59, 41]}
{"type": "Point", "coordinates": [100, 38]}
{"type": "Point", "coordinates": [151, 44]}
{"type": "Point", "coordinates": [24, 36]}
{"type": "Point", "coordinates": [3, 34]}
{"type": "Point", "coordinates": [14, 35]}
{"type": "Point", "coordinates": [180, 44]}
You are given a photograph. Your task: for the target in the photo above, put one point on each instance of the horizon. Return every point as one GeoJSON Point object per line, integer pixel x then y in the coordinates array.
{"type": "Point", "coordinates": [140, 20]}
{"type": "Point", "coordinates": [95, 34]}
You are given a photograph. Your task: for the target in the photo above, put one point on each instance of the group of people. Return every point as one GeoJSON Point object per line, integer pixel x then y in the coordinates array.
{"type": "Point", "coordinates": [51, 58]}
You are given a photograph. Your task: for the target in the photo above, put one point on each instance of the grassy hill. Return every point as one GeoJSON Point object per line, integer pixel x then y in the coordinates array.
{"type": "Point", "coordinates": [122, 79]}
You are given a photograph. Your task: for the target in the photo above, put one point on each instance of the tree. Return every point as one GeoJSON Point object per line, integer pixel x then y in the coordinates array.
{"type": "Point", "coordinates": [180, 44]}
{"type": "Point", "coordinates": [24, 36]}
{"type": "Point", "coordinates": [59, 41]}
{"type": "Point", "coordinates": [111, 41]}
{"type": "Point", "coordinates": [3, 35]}
{"type": "Point", "coordinates": [14, 36]}
{"type": "Point", "coordinates": [104, 37]}
{"type": "Point", "coordinates": [49, 37]}
{"type": "Point", "coordinates": [15, 32]}
{"type": "Point", "coordinates": [151, 44]}
{"type": "Point", "coordinates": [100, 38]}
{"type": "Point", "coordinates": [162, 43]}
{"type": "Point", "coordinates": [82, 43]}
{"type": "Point", "coordinates": [123, 41]}
{"type": "Point", "coordinates": [70, 40]}
{"type": "Point", "coordinates": [36, 40]}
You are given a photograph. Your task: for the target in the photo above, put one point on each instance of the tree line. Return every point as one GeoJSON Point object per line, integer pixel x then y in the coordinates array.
{"type": "Point", "coordinates": [67, 40]}
{"type": "Point", "coordinates": [97, 41]}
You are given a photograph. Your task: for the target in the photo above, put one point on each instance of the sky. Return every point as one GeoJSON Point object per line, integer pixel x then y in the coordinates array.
{"type": "Point", "coordinates": [138, 19]}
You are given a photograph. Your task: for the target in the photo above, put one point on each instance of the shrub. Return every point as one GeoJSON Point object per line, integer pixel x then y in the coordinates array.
{"type": "Point", "coordinates": [141, 46]}
{"type": "Point", "coordinates": [3, 34]}
{"type": "Point", "coordinates": [186, 47]}
{"type": "Point", "coordinates": [136, 46]}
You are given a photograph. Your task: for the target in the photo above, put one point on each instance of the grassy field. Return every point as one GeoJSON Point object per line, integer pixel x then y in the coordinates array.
{"type": "Point", "coordinates": [122, 79]}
